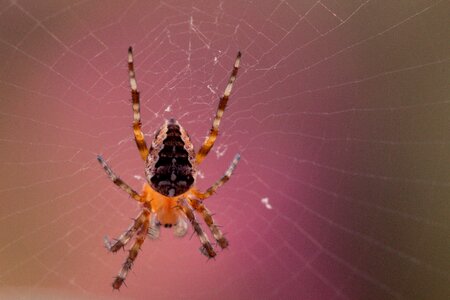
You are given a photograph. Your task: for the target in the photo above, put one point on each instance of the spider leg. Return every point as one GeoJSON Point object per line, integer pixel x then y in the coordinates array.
{"type": "Point", "coordinates": [119, 182]}
{"type": "Point", "coordinates": [206, 248]}
{"type": "Point", "coordinates": [219, 182]}
{"type": "Point", "coordinates": [206, 214]}
{"type": "Point", "coordinates": [126, 236]}
{"type": "Point", "coordinates": [211, 138]}
{"type": "Point", "coordinates": [137, 124]}
{"type": "Point", "coordinates": [133, 252]}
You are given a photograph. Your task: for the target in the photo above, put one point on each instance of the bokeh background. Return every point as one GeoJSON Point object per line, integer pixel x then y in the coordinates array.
{"type": "Point", "coordinates": [340, 112]}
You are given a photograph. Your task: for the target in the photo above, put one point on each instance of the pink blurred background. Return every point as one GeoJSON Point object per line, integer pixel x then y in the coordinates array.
{"type": "Point", "coordinates": [340, 112]}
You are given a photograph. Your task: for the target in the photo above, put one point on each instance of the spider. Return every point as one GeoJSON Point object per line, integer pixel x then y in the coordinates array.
{"type": "Point", "coordinates": [169, 197]}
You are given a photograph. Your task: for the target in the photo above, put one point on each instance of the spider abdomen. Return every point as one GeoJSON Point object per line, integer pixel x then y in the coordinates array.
{"type": "Point", "coordinates": [170, 165]}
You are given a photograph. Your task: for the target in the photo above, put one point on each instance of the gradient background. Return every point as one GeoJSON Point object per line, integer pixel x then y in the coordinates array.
{"type": "Point", "coordinates": [340, 111]}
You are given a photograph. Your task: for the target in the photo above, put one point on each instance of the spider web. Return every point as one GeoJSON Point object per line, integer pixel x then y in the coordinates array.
{"type": "Point", "coordinates": [340, 112]}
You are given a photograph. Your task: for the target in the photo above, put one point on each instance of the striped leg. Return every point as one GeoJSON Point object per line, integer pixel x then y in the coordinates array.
{"type": "Point", "coordinates": [219, 182]}
{"type": "Point", "coordinates": [211, 138]}
{"type": "Point", "coordinates": [119, 182]}
{"type": "Point", "coordinates": [133, 252]}
{"type": "Point", "coordinates": [138, 135]}
{"type": "Point", "coordinates": [126, 236]}
{"type": "Point", "coordinates": [206, 214]}
{"type": "Point", "coordinates": [206, 248]}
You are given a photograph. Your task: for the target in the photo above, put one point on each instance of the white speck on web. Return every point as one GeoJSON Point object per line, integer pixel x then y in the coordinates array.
{"type": "Point", "coordinates": [211, 89]}
{"type": "Point", "coordinates": [220, 151]}
{"type": "Point", "coordinates": [265, 201]}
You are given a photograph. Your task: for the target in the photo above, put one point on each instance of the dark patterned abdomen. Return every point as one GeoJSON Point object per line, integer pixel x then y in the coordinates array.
{"type": "Point", "coordinates": [171, 172]}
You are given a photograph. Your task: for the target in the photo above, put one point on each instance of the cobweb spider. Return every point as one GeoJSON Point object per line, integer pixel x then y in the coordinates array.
{"type": "Point", "coordinates": [169, 197]}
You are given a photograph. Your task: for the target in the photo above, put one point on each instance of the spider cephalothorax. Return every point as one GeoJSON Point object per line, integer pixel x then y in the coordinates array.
{"type": "Point", "coordinates": [170, 165]}
{"type": "Point", "coordinates": [169, 197]}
